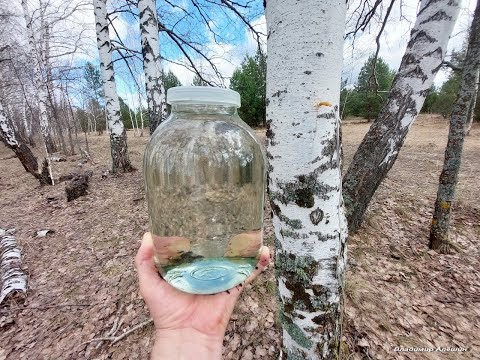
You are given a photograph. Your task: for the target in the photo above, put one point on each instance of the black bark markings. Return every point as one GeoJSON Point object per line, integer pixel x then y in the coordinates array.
{"type": "Point", "coordinates": [438, 16]}
{"type": "Point", "coordinates": [298, 273]}
{"type": "Point", "coordinates": [316, 216]}
{"type": "Point", "coordinates": [279, 92]}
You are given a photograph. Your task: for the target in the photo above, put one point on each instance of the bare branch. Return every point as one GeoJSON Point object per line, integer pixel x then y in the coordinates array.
{"type": "Point", "coordinates": [373, 75]}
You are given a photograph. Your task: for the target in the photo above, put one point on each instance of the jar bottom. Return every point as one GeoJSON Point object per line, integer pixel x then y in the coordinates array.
{"type": "Point", "coordinates": [209, 275]}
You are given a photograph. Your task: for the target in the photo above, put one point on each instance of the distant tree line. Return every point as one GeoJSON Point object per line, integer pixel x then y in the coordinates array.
{"type": "Point", "coordinates": [441, 100]}
{"type": "Point", "coordinates": [366, 97]}
{"type": "Point", "coordinates": [249, 81]}
{"type": "Point", "coordinates": [91, 115]}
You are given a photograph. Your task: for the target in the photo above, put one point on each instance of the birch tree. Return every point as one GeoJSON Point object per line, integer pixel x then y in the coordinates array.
{"type": "Point", "coordinates": [303, 91]}
{"type": "Point", "coordinates": [471, 111]}
{"type": "Point", "coordinates": [118, 136]}
{"type": "Point", "coordinates": [10, 138]}
{"type": "Point", "coordinates": [380, 146]}
{"type": "Point", "coordinates": [453, 153]}
{"type": "Point", "coordinates": [152, 65]}
{"type": "Point", "coordinates": [41, 92]}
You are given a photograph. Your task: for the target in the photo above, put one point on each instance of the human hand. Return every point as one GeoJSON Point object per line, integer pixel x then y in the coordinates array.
{"type": "Point", "coordinates": [187, 326]}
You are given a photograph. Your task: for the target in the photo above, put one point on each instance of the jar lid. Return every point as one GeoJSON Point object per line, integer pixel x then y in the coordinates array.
{"type": "Point", "coordinates": [202, 95]}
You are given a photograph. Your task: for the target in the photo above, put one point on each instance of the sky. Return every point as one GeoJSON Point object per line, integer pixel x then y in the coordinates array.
{"type": "Point", "coordinates": [395, 38]}
{"type": "Point", "coordinates": [234, 42]}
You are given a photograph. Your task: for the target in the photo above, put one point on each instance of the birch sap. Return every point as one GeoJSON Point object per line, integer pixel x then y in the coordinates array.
{"type": "Point", "coordinates": [204, 175]}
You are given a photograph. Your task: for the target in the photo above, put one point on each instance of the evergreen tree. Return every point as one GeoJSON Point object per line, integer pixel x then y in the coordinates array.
{"type": "Point", "coordinates": [367, 97]}
{"type": "Point", "coordinates": [249, 81]}
{"type": "Point", "coordinates": [126, 114]}
{"type": "Point", "coordinates": [93, 92]}
{"type": "Point", "coordinates": [373, 92]}
{"type": "Point", "coordinates": [448, 92]}
{"type": "Point", "coordinates": [197, 81]}
{"type": "Point", "coordinates": [93, 81]}
{"type": "Point", "coordinates": [431, 100]}
{"type": "Point", "coordinates": [170, 80]}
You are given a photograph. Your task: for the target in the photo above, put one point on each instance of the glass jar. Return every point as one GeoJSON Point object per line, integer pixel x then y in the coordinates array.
{"type": "Point", "coordinates": [204, 174]}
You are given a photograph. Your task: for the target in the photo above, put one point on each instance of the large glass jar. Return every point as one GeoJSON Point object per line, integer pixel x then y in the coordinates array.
{"type": "Point", "coordinates": [204, 174]}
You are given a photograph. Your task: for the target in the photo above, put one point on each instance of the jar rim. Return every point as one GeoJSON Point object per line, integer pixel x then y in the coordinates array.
{"type": "Point", "coordinates": [202, 95]}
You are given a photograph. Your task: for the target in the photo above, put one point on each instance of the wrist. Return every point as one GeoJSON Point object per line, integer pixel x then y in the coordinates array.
{"type": "Point", "coordinates": [186, 344]}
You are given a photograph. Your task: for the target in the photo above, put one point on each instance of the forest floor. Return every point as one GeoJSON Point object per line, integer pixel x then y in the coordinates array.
{"type": "Point", "coordinates": [82, 281]}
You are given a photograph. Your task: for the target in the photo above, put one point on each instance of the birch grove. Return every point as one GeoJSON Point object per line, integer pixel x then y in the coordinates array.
{"type": "Point", "coordinates": [380, 146]}
{"type": "Point", "coordinates": [118, 136]}
{"type": "Point", "coordinates": [9, 136]}
{"type": "Point", "coordinates": [303, 88]}
{"type": "Point", "coordinates": [453, 153]}
{"type": "Point", "coordinates": [39, 80]}
{"type": "Point", "coordinates": [152, 65]}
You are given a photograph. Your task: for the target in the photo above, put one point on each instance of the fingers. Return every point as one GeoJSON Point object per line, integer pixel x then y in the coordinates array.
{"type": "Point", "coordinates": [147, 272]}
{"type": "Point", "coordinates": [262, 264]}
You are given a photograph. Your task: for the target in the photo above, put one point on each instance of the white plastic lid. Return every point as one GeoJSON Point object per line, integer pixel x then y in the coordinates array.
{"type": "Point", "coordinates": [202, 95]}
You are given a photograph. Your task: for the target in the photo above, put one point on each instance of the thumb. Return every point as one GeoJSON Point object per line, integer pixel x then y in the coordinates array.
{"type": "Point", "coordinates": [148, 277]}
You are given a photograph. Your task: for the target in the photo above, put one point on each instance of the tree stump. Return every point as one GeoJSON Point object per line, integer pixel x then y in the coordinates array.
{"type": "Point", "coordinates": [78, 186]}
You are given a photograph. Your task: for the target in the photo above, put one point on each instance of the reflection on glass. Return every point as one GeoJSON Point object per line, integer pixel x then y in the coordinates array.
{"type": "Point", "coordinates": [205, 176]}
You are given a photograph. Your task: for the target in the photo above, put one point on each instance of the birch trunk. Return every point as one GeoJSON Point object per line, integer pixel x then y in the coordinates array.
{"type": "Point", "coordinates": [305, 41]}
{"type": "Point", "coordinates": [471, 112]}
{"type": "Point", "coordinates": [29, 122]}
{"type": "Point", "coordinates": [456, 136]}
{"type": "Point", "coordinates": [152, 65]}
{"type": "Point", "coordinates": [11, 139]}
{"type": "Point", "coordinates": [380, 146]}
{"type": "Point", "coordinates": [39, 83]}
{"type": "Point", "coordinates": [50, 87]}
{"type": "Point", "coordinates": [135, 125]}
{"type": "Point", "coordinates": [141, 120]}
{"type": "Point", "coordinates": [132, 121]}
{"type": "Point", "coordinates": [74, 123]}
{"type": "Point", "coordinates": [27, 133]}
{"type": "Point", "coordinates": [12, 278]}
{"type": "Point", "coordinates": [68, 124]}
{"type": "Point", "coordinates": [118, 136]}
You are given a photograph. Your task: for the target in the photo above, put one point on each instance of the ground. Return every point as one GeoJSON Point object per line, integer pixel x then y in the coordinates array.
{"type": "Point", "coordinates": [82, 282]}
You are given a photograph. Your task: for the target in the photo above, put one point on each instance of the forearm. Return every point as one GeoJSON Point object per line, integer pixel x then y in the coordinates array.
{"type": "Point", "coordinates": [185, 344]}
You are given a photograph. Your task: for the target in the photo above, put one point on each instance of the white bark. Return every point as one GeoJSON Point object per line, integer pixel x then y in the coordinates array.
{"type": "Point", "coordinates": [118, 137]}
{"type": "Point", "coordinates": [12, 276]}
{"type": "Point", "coordinates": [380, 147]}
{"type": "Point", "coordinates": [40, 87]}
{"type": "Point", "coordinates": [6, 130]}
{"type": "Point", "coordinates": [152, 65]}
{"type": "Point", "coordinates": [115, 124]}
{"type": "Point", "coordinates": [141, 119]}
{"type": "Point", "coordinates": [473, 105]}
{"type": "Point", "coordinates": [303, 91]}
{"type": "Point", "coordinates": [25, 121]}
{"type": "Point", "coordinates": [132, 121]}
{"type": "Point", "coordinates": [135, 123]}
{"type": "Point", "coordinates": [38, 78]}
{"type": "Point", "coordinates": [422, 60]}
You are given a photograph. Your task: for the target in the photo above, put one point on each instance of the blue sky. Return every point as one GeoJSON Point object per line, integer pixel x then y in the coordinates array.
{"type": "Point", "coordinates": [233, 41]}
